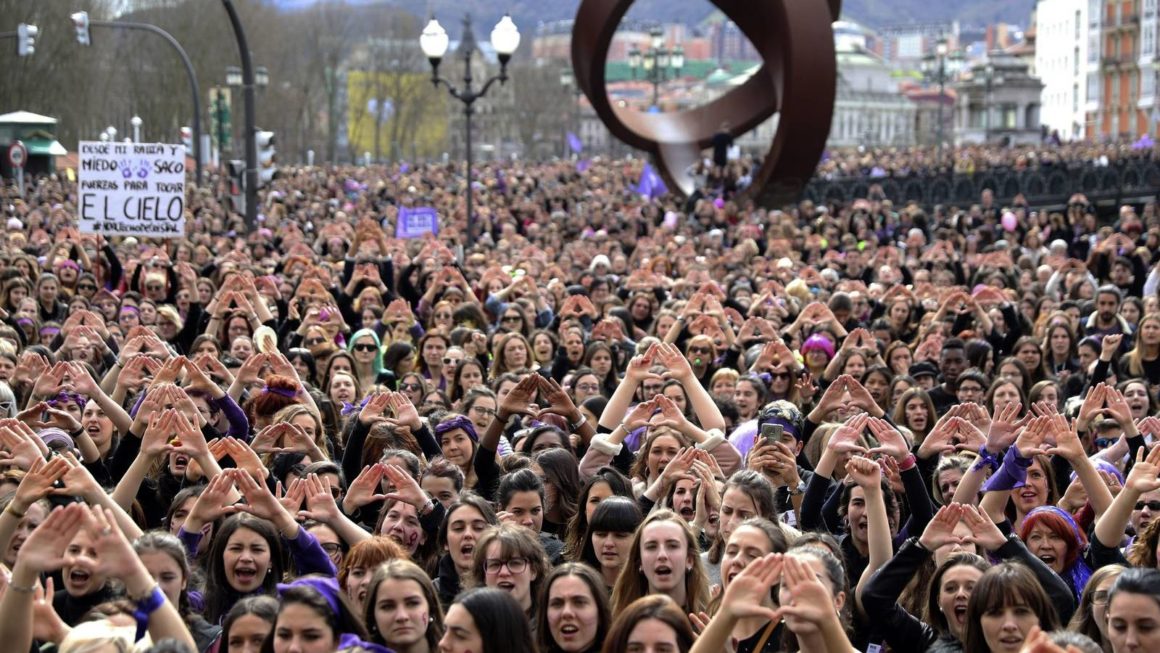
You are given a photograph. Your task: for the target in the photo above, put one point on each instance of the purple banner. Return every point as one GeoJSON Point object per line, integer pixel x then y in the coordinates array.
{"type": "Point", "coordinates": [417, 222]}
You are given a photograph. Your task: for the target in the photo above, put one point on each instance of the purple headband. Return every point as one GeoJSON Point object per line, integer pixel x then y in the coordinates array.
{"type": "Point", "coordinates": [24, 321]}
{"type": "Point", "coordinates": [52, 331]}
{"type": "Point", "coordinates": [285, 392]}
{"type": "Point", "coordinates": [326, 586]}
{"type": "Point", "coordinates": [65, 397]}
{"type": "Point", "coordinates": [68, 263]}
{"type": "Point", "coordinates": [129, 309]}
{"type": "Point", "coordinates": [457, 422]}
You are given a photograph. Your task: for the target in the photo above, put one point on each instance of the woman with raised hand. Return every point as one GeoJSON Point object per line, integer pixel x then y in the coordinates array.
{"type": "Point", "coordinates": [246, 555]}
{"type": "Point", "coordinates": [50, 548]}
{"type": "Point", "coordinates": [749, 543]}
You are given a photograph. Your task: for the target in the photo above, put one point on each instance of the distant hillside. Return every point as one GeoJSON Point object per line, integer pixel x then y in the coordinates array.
{"type": "Point", "coordinates": [529, 13]}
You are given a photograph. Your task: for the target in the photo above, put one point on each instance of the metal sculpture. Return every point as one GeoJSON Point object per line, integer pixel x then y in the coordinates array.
{"type": "Point", "coordinates": [797, 80]}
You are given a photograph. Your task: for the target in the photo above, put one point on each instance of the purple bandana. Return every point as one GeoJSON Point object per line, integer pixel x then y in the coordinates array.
{"type": "Point", "coordinates": [457, 422]}
{"type": "Point", "coordinates": [289, 394]}
{"type": "Point", "coordinates": [327, 587]}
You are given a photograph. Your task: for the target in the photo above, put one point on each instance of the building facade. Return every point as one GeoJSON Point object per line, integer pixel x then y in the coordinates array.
{"type": "Point", "coordinates": [1061, 63]}
{"type": "Point", "coordinates": [998, 102]}
{"type": "Point", "coordinates": [1122, 101]}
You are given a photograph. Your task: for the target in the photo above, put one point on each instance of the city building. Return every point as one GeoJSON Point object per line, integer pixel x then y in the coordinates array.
{"type": "Point", "coordinates": [1121, 85]}
{"type": "Point", "coordinates": [905, 45]}
{"type": "Point", "coordinates": [1061, 56]}
{"type": "Point", "coordinates": [998, 101]}
{"type": "Point", "coordinates": [869, 108]}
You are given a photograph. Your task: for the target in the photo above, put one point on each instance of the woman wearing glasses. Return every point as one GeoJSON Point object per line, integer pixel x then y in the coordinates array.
{"type": "Point", "coordinates": [511, 558]}
{"type": "Point", "coordinates": [368, 356]}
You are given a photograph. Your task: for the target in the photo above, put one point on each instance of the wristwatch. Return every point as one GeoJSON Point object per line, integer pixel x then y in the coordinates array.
{"type": "Point", "coordinates": [799, 490]}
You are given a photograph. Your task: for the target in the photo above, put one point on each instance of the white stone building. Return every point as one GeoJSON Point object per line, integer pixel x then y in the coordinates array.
{"type": "Point", "coordinates": [1061, 55]}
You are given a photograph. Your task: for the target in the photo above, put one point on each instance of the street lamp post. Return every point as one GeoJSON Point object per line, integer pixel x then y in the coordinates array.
{"type": "Point", "coordinates": [505, 38]}
{"type": "Point", "coordinates": [658, 63]}
{"type": "Point", "coordinates": [136, 122]}
{"type": "Point", "coordinates": [989, 71]}
{"type": "Point", "coordinates": [568, 81]}
{"type": "Point", "coordinates": [83, 23]}
{"type": "Point", "coordinates": [936, 70]}
{"type": "Point", "coordinates": [251, 176]}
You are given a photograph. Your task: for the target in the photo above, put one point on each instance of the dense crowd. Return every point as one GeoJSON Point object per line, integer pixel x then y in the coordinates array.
{"type": "Point", "coordinates": [613, 423]}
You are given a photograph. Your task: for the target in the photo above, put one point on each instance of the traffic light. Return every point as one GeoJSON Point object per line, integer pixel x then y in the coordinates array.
{"type": "Point", "coordinates": [81, 21]}
{"type": "Point", "coordinates": [26, 39]}
{"type": "Point", "coordinates": [187, 139]}
{"type": "Point", "coordinates": [267, 158]}
{"type": "Point", "coordinates": [237, 172]}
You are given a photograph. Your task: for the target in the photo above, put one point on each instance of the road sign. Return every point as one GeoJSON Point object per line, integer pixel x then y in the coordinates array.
{"type": "Point", "coordinates": [17, 154]}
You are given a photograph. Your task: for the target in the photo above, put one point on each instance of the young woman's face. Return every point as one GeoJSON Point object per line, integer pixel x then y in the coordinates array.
{"type": "Point", "coordinates": [364, 350]}
{"type": "Point", "coordinates": [464, 526]}
{"type": "Point", "coordinates": [1050, 394]}
{"type": "Point", "coordinates": [599, 491]}
{"type": "Point", "coordinates": [736, 507]}
{"type": "Point", "coordinates": [746, 544]}
{"type": "Point", "coordinates": [33, 518]}
{"type": "Point", "coordinates": [954, 592]}
{"type": "Point", "coordinates": [433, 350]}
{"type": "Point", "coordinates": [801, 626]}
{"type": "Point", "coordinates": [542, 348]}
{"type": "Point", "coordinates": [401, 612]}
{"type": "Point", "coordinates": [246, 560]}
{"type": "Point", "coordinates": [916, 416]}
{"type": "Point", "coordinates": [601, 363]}
{"type": "Point", "coordinates": [80, 574]}
{"type": "Point", "coordinates": [664, 449]}
{"type": "Point", "coordinates": [300, 629]}
{"type": "Point", "coordinates": [1034, 493]}
{"type": "Point", "coordinates": [1136, 394]}
{"type": "Point", "coordinates": [664, 556]}
{"type": "Point", "coordinates": [612, 548]}
{"type": "Point", "coordinates": [1029, 355]}
{"type": "Point", "coordinates": [1100, 605]}
{"type": "Point", "coordinates": [900, 360]}
{"type": "Point", "coordinates": [1006, 627]}
{"type": "Point", "coordinates": [247, 634]}
{"type": "Point", "coordinates": [451, 360]}
{"type": "Point", "coordinates": [461, 634]}
{"type": "Point", "coordinates": [653, 636]}
{"type": "Point", "coordinates": [457, 446]}
{"type": "Point", "coordinates": [97, 425]}
{"type": "Point", "coordinates": [402, 525]}
{"type": "Point", "coordinates": [165, 570]}
{"type": "Point", "coordinates": [342, 389]}
{"type": "Point", "coordinates": [573, 615]}
{"type": "Point", "coordinates": [515, 354]}
{"type": "Point", "coordinates": [517, 583]}
{"type": "Point", "coordinates": [746, 398]}
{"type": "Point", "coordinates": [948, 482]}
{"type": "Point", "coordinates": [585, 387]}
{"type": "Point", "coordinates": [1005, 394]}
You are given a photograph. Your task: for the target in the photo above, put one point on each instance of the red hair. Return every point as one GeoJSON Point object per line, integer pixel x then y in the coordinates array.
{"type": "Point", "coordinates": [280, 392]}
{"type": "Point", "coordinates": [1074, 536]}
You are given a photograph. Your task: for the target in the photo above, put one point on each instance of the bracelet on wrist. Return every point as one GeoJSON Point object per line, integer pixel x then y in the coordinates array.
{"type": "Point", "coordinates": [14, 512]}
{"type": "Point", "coordinates": [23, 590]}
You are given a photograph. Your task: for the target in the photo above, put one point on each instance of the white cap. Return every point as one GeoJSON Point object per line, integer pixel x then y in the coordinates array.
{"type": "Point", "coordinates": [15, 223]}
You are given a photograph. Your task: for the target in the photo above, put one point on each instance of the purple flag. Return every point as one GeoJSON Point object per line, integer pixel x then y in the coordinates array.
{"type": "Point", "coordinates": [417, 222]}
{"type": "Point", "coordinates": [583, 165]}
{"type": "Point", "coordinates": [574, 143]}
{"type": "Point", "coordinates": [651, 185]}
{"type": "Point", "coordinates": [404, 167]}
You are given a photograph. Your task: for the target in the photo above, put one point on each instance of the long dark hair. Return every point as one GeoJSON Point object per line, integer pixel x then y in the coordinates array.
{"type": "Point", "coordinates": [620, 514]}
{"type": "Point", "coordinates": [262, 607]}
{"type": "Point", "coordinates": [599, 598]}
{"type": "Point", "coordinates": [219, 595]}
{"type": "Point", "coordinates": [655, 606]}
{"type": "Point", "coordinates": [998, 587]}
{"type": "Point", "coordinates": [405, 570]}
{"type": "Point", "coordinates": [503, 627]}
{"type": "Point", "coordinates": [344, 620]}
{"type": "Point", "coordinates": [578, 525]}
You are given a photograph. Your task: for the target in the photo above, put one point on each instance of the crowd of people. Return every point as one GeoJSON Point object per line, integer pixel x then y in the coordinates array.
{"type": "Point", "coordinates": [611, 423]}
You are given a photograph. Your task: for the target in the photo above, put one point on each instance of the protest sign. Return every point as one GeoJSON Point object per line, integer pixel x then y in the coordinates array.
{"type": "Point", "coordinates": [131, 189]}
{"type": "Point", "coordinates": [417, 222]}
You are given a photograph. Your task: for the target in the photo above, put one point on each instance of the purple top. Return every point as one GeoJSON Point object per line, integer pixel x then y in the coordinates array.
{"type": "Point", "coordinates": [1011, 474]}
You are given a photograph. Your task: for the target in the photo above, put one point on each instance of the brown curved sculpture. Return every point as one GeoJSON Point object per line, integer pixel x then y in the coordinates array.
{"type": "Point", "coordinates": [797, 80]}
